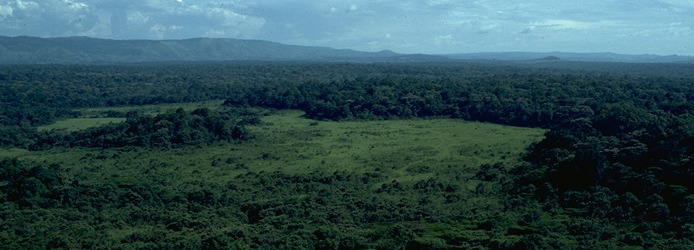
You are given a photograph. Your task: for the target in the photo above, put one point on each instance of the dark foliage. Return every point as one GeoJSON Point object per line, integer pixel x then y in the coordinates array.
{"type": "Point", "coordinates": [254, 210]}
{"type": "Point", "coordinates": [173, 129]}
{"type": "Point", "coordinates": [614, 170]}
{"type": "Point", "coordinates": [624, 165]}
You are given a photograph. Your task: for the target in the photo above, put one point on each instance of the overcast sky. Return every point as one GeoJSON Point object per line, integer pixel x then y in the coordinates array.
{"type": "Point", "coordinates": [408, 26]}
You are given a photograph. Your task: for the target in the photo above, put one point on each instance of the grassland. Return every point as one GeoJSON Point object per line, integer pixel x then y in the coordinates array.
{"type": "Point", "coordinates": [403, 150]}
{"type": "Point", "coordinates": [149, 109]}
{"type": "Point", "coordinates": [92, 117]}
{"type": "Point", "coordinates": [408, 152]}
{"type": "Point", "coordinates": [75, 124]}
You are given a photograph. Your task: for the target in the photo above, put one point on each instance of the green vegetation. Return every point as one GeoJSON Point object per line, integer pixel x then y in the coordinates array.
{"type": "Point", "coordinates": [287, 142]}
{"type": "Point", "coordinates": [151, 109]}
{"type": "Point", "coordinates": [397, 147]}
{"type": "Point", "coordinates": [76, 124]}
{"type": "Point", "coordinates": [346, 156]}
{"type": "Point", "coordinates": [94, 117]}
{"type": "Point", "coordinates": [401, 161]}
{"type": "Point", "coordinates": [171, 129]}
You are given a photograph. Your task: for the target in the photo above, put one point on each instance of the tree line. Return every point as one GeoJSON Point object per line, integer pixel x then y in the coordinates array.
{"type": "Point", "coordinates": [172, 129]}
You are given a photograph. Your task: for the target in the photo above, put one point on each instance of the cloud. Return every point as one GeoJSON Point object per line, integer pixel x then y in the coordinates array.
{"type": "Point", "coordinates": [161, 30]}
{"type": "Point", "coordinates": [23, 5]}
{"type": "Point", "coordinates": [124, 19]}
{"type": "Point", "coordinates": [174, 20]}
{"type": "Point", "coordinates": [558, 24]}
{"type": "Point", "coordinates": [6, 11]}
{"type": "Point", "coordinates": [411, 26]}
{"type": "Point", "coordinates": [679, 29]}
{"type": "Point", "coordinates": [75, 5]}
{"type": "Point", "coordinates": [443, 39]}
{"type": "Point", "coordinates": [676, 29]}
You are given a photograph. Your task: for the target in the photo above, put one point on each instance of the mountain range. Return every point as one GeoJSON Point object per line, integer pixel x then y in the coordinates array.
{"type": "Point", "coordinates": [85, 50]}
{"type": "Point", "coordinates": [567, 56]}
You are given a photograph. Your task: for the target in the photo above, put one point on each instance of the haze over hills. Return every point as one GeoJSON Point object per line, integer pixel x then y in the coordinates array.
{"type": "Point", "coordinates": [85, 50]}
{"type": "Point", "coordinates": [586, 57]}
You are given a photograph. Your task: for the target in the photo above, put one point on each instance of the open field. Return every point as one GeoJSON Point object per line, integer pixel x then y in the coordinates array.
{"type": "Point", "coordinates": [92, 117]}
{"type": "Point", "coordinates": [294, 162]}
{"type": "Point", "coordinates": [75, 124]}
{"type": "Point", "coordinates": [404, 150]}
{"type": "Point", "coordinates": [151, 109]}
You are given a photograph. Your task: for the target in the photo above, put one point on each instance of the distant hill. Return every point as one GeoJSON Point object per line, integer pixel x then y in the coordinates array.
{"type": "Point", "coordinates": [85, 50]}
{"type": "Point", "coordinates": [547, 59]}
{"type": "Point", "coordinates": [586, 57]}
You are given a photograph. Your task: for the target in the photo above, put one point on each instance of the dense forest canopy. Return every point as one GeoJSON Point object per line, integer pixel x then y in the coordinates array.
{"type": "Point", "coordinates": [616, 160]}
{"type": "Point", "coordinates": [172, 129]}
{"type": "Point", "coordinates": [35, 95]}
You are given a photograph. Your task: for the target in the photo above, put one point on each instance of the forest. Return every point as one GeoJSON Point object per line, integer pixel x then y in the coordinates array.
{"type": "Point", "coordinates": [347, 156]}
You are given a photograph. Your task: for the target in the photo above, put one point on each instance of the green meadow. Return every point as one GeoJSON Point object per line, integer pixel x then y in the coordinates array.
{"type": "Point", "coordinates": [402, 163]}
{"type": "Point", "coordinates": [403, 150]}
{"type": "Point", "coordinates": [75, 124]}
{"type": "Point", "coordinates": [151, 109]}
{"type": "Point", "coordinates": [92, 117]}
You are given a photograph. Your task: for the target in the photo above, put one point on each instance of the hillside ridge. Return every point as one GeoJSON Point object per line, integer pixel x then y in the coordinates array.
{"type": "Point", "coordinates": [87, 50]}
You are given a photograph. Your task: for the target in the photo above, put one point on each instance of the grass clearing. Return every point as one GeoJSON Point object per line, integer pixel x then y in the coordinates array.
{"type": "Point", "coordinates": [75, 124]}
{"type": "Point", "coordinates": [152, 109]}
{"type": "Point", "coordinates": [402, 150]}
{"type": "Point", "coordinates": [407, 152]}
{"type": "Point", "coordinates": [93, 117]}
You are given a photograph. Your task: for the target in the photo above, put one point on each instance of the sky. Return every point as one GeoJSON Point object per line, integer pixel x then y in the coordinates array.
{"type": "Point", "coordinates": [662, 27]}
